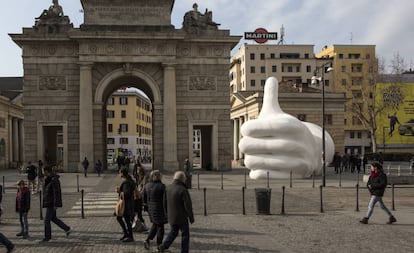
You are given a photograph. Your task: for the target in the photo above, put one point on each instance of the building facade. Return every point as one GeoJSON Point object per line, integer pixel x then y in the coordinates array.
{"type": "Point", "coordinates": [129, 125]}
{"type": "Point", "coordinates": [294, 66]}
{"type": "Point", "coordinates": [71, 72]}
{"type": "Point", "coordinates": [355, 68]}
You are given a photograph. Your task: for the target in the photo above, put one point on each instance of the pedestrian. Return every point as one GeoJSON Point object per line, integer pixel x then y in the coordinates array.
{"type": "Point", "coordinates": [126, 191]}
{"type": "Point", "coordinates": [85, 164]}
{"type": "Point", "coordinates": [177, 204]}
{"type": "Point", "coordinates": [98, 167]}
{"type": "Point", "coordinates": [376, 185]}
{"type": "Point", "coordinates": [7, 243]}
{"type": "Point", "coordinates": [52, 199]}
{"type": "Point", "coordinates": [40, 176]}
{"type": "Point", "coordinates": [154, 199]}
{"type": "Point", "coordinates": [138, 221]}
{"type": "Point", "coordinates": [337, 162]}
{"type": "Point", "coordinates": [31, 171]}
{"type": "Point", "coordinates": [23, 207]}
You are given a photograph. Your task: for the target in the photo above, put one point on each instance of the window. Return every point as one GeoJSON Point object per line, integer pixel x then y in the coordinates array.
{"type": "Point", "coordinates": [251, 56]}
{"type": "Point", "coordinates": [341, 56]}
{"type": "Point", "coordinates": [2, 122]}
{"type": "Point", "coordinates": [272, 56]}
{"type": "Point", "coordinates": [328, 119]}
{"type": "Point", "coordinates": [367, 56]}
{"type": "Point", "coordinates": [306, 56]}
{"type": "Point", "coordinates": [352, 135]}
{"type": "Point", "coordinates": [123, 127]}
{"type": "Point", "coordinates": [253, 83]}
{"type": "Point", "coordinates": [262, 56]}
{"type": "Point", "coordinates": [274, 68]}
{"type": "Point", "coordinates": [262, 82]}
{"type": "Point", "coordinates": [343, 82]}
{"type": "Point", "coordinates": [359, 135]}
{"type": "Point", "coordinates": [252, 69]}
{"type": "Point", "coordinates": [123, 140]}
{"type": "Point", "coordinates": [123, 114]}
{"type": "Point", "coordinates": [262, 69]}
{"type": "Point", "coordinates": [110, 128]}
{"type": "Point", "coordinates": [110, 141]}
{"type": "Point", "coordinates": [290, 69]}
{"type": "Point", "coordinates": [123, 100]}
{"type": "Point", "coordinates": [356, 68]}
{"type": "Point", "coordinates": [343, 68]}
{"type": "Point", "coordinates": [110, 101]}
{"type": "Point", "coordinates": [138, 102]}
{"type": "Point", "coordinates": [301, 117]}
{"type": "Point", "coordinates": [110, 114]}
{"type": "Point", "coordinates": [308, 68]}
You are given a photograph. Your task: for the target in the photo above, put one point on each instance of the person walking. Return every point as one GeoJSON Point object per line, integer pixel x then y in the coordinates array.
{"type": "Point", "coordinates": [40, 176]}
{"type": "Point", "coordinates": [23, 207]}
{"type": "Point", "coordinates": [85, 164]}
{"type": "Point", "coordinates": [178, 206]}
{"type": "Point", "coordinates": [52, 199]}
{"type": "Point", "coordinates": [31, 171]}
{"type": "Point", "coordinates": [126, 191]}
{"type": "Point", "coordinates": [98, 167]}
{"type": "Point", "coordinates": [7, 243]}
{"type": "Point", "coordinates": [138, 221]}
{"type": "Point", "coordinates": [154, 199]}
{"type": "Point", "coordinates": [376, 185]}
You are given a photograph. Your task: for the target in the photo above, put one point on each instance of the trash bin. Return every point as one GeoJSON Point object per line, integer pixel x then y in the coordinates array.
{"type": "Point", "coordinates": [263, 200]}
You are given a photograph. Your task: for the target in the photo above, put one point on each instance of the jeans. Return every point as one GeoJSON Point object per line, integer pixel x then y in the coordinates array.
{"type": "Point", "coordinates": [371, 205]}
{"type": "Point", "coordinates": [23, 223]}
{"type": "Point", "coordinates": [185, 236]}
{"type": "Point", "coordinates": [156, 229]}
{"type": "Point", "coordinates": [126, 226]}
{"type": "Point", "coordinates": [51, 216]}
{"type": "Point", "coordinates": [6, 242]}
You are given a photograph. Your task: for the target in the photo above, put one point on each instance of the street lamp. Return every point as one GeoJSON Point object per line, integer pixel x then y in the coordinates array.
{"type": "Point", "coordinates": [321, 80]}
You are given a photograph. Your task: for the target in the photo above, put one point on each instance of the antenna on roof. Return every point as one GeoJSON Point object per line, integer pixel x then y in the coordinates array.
{"type": "Point", "coordinates": [351, 38]}
{"type": "Point", "coordinates": [282, 36]}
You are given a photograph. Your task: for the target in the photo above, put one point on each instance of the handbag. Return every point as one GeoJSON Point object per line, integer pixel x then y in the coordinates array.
{"type": "Point", "coordinates": [120, 206]}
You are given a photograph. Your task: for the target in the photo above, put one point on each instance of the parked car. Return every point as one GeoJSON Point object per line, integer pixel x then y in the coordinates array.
{"type": "Point", "coordinates": [407, 128]}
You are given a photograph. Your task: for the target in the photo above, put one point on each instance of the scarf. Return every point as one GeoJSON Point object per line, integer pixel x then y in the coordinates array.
{"type": "Point", "coordinates": [374, 174]}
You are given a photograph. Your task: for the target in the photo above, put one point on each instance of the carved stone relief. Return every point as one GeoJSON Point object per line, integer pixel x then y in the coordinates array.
{"type": "Point", "coordinates": [52, 83]}
{"type": "Point", "coordinates": [202, 83]}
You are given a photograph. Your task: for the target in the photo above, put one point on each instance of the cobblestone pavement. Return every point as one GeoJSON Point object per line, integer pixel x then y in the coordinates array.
{"type": "Point", "coordinates": [303, 228]}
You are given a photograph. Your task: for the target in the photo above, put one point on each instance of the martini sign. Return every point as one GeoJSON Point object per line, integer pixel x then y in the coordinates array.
{"type": "Point", "coordinates": [260, 35]}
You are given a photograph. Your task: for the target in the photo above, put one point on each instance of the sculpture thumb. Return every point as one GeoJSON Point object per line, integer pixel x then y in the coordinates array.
{"type": "Point", "coordinates": [270, 99]}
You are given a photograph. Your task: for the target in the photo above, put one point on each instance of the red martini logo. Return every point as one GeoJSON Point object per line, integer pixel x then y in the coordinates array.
{"type": "Point", "coordinates": [260, 35]}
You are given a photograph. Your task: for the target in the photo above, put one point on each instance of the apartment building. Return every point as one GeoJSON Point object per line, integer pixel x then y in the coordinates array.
{"type": "Point", "coordinates": [355, 68]}
{"type": "Point", "coordinates": [294, 66]}
{"type": "Point", "coordinates": [129, 125]}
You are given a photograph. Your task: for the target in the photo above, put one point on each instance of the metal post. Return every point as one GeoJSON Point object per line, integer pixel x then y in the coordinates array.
{"type": "Point", "coordinates": [392, 196]}
{"type": "Point", "coordinates": [323, 129]}
{"type": "Point", "coordinates": [77, 181]}
{"type": "Point", "coordinates": [340, 178]}
{"type": "Point", "coordinates": [290, 179]}
{"type": "Point", "coordinates": [205, 201]}
{"type": "Point", "coordinates": [222, 181]}
{"type": "Point", "coordinates": [320, 189]}
{"type": "Point", "coordinates": [283, 201]}
{"type": "Point", "coordinates": [245, 178]}
{"type": "Point", "coordinates": [198, 181]}
{"type": "Point", "coordinates": [268, 185]}
{"type": "Point", "coordinates": [313, 179]}
{"type": "Point", "coordinates": [4, 186]}
{"type": "Point", "coordinates": [40, 205]}
{"type": "Point", "coordinates": [243, 203]}
{"type": "Point", "coordinates": [82, 204]}
{"type": "Point", "coordinates": [357, 198]}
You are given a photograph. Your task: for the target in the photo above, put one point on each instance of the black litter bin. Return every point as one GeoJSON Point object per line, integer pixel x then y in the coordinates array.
{"type": "Point", "coordinates": [263, 200]}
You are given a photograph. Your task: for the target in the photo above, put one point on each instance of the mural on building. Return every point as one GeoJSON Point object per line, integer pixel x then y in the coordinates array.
{"type": "Point", "coordinates": [395, 123]}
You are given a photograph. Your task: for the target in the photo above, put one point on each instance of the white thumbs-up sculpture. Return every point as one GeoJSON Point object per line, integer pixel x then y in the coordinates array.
{"type": "Point", "coordinates": [278, 143]}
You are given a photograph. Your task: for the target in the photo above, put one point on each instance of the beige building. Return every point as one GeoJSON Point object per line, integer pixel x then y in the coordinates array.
{"type": "Point", "coordinates": [70, 73]}
{"type": "Point", "coordinates": [11, 122]}
{"type": "Point", "coordinates": [129, 125]}
{"type": "Point", "coordinates": [355, 68]}
{"type": "Point", "coordinates": [293, 66]}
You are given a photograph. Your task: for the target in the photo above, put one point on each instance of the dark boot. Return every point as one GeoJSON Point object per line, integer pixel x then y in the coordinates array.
{"type": "Point", "coordinates": [392, 220]}
{"type": "Point", "coordinates": [364, 220]}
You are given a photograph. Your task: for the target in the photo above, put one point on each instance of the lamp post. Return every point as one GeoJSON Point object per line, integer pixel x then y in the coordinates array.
{"type": "Point", "coordinates": [321, 80]}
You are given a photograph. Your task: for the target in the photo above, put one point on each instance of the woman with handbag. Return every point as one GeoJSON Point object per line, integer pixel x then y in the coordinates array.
{"type": "Point", "coordinates": [126, 194]}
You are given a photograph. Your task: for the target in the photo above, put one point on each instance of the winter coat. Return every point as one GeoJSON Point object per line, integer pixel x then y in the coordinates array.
{"type": "Point", "coordinates": [31, 172]}
{"type": "Point", "coordinates": [52, 193]}
{"type": "Point", "coordinates": [127, 188]}
{"type": "Point", "coordinates": [378, 184]}
{"type": "Point", "coordinates": [177, 204]}
{"type": "Point", "coordinates": [154, 198]}
{"type": "Point", "coordinates": [23, 200]}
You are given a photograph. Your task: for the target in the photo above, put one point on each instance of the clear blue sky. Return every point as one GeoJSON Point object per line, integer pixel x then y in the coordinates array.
{"type": "Point", "coordinates": [388, 24]}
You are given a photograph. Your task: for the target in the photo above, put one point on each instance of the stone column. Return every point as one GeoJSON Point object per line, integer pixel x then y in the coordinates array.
{"type": "Point", "coordinates": [85, 113]}
{"type": "Point", "coordinates": [170, 119]}
{"type": "Point", "coordinates": [236, 139]}
{"type": "Point", "coordinates": [10, 141]}
{"type": "Point", "coordinates": [241, 121]}
{"type": "Point", "coordinates": [21, 140]}
{"type": "Point", "coordinates": [15, 144]}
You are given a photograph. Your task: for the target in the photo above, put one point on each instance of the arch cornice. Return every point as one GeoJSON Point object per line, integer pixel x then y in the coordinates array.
{"type": "Point", "coordinates": [118, 73]}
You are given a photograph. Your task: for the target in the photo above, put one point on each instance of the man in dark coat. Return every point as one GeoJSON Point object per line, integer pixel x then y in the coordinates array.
{"type": "Point", "coordinates": [154, 199]}
{"type": "Point", "coordinates": [376, 185]}
{"type": "Point", "coordinates": [177, 202]}
{"type": "Point", "coordinates": [126, 191]}
{"type": "Point", "coordinates": [52, 199]}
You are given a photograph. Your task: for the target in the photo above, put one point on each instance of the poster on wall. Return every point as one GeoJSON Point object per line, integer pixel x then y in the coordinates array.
{"type": "Point", "coordinates": [395, 124]}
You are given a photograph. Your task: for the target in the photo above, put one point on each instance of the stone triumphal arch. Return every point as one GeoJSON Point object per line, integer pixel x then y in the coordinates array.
{"type": "Point", "coordinates": [69, 73]}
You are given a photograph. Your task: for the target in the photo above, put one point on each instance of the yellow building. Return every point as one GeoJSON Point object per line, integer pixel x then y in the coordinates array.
{"type": "Point", "coordinates": [129, 125]}
{"type": "Point", "coordinates": [355, 69]}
